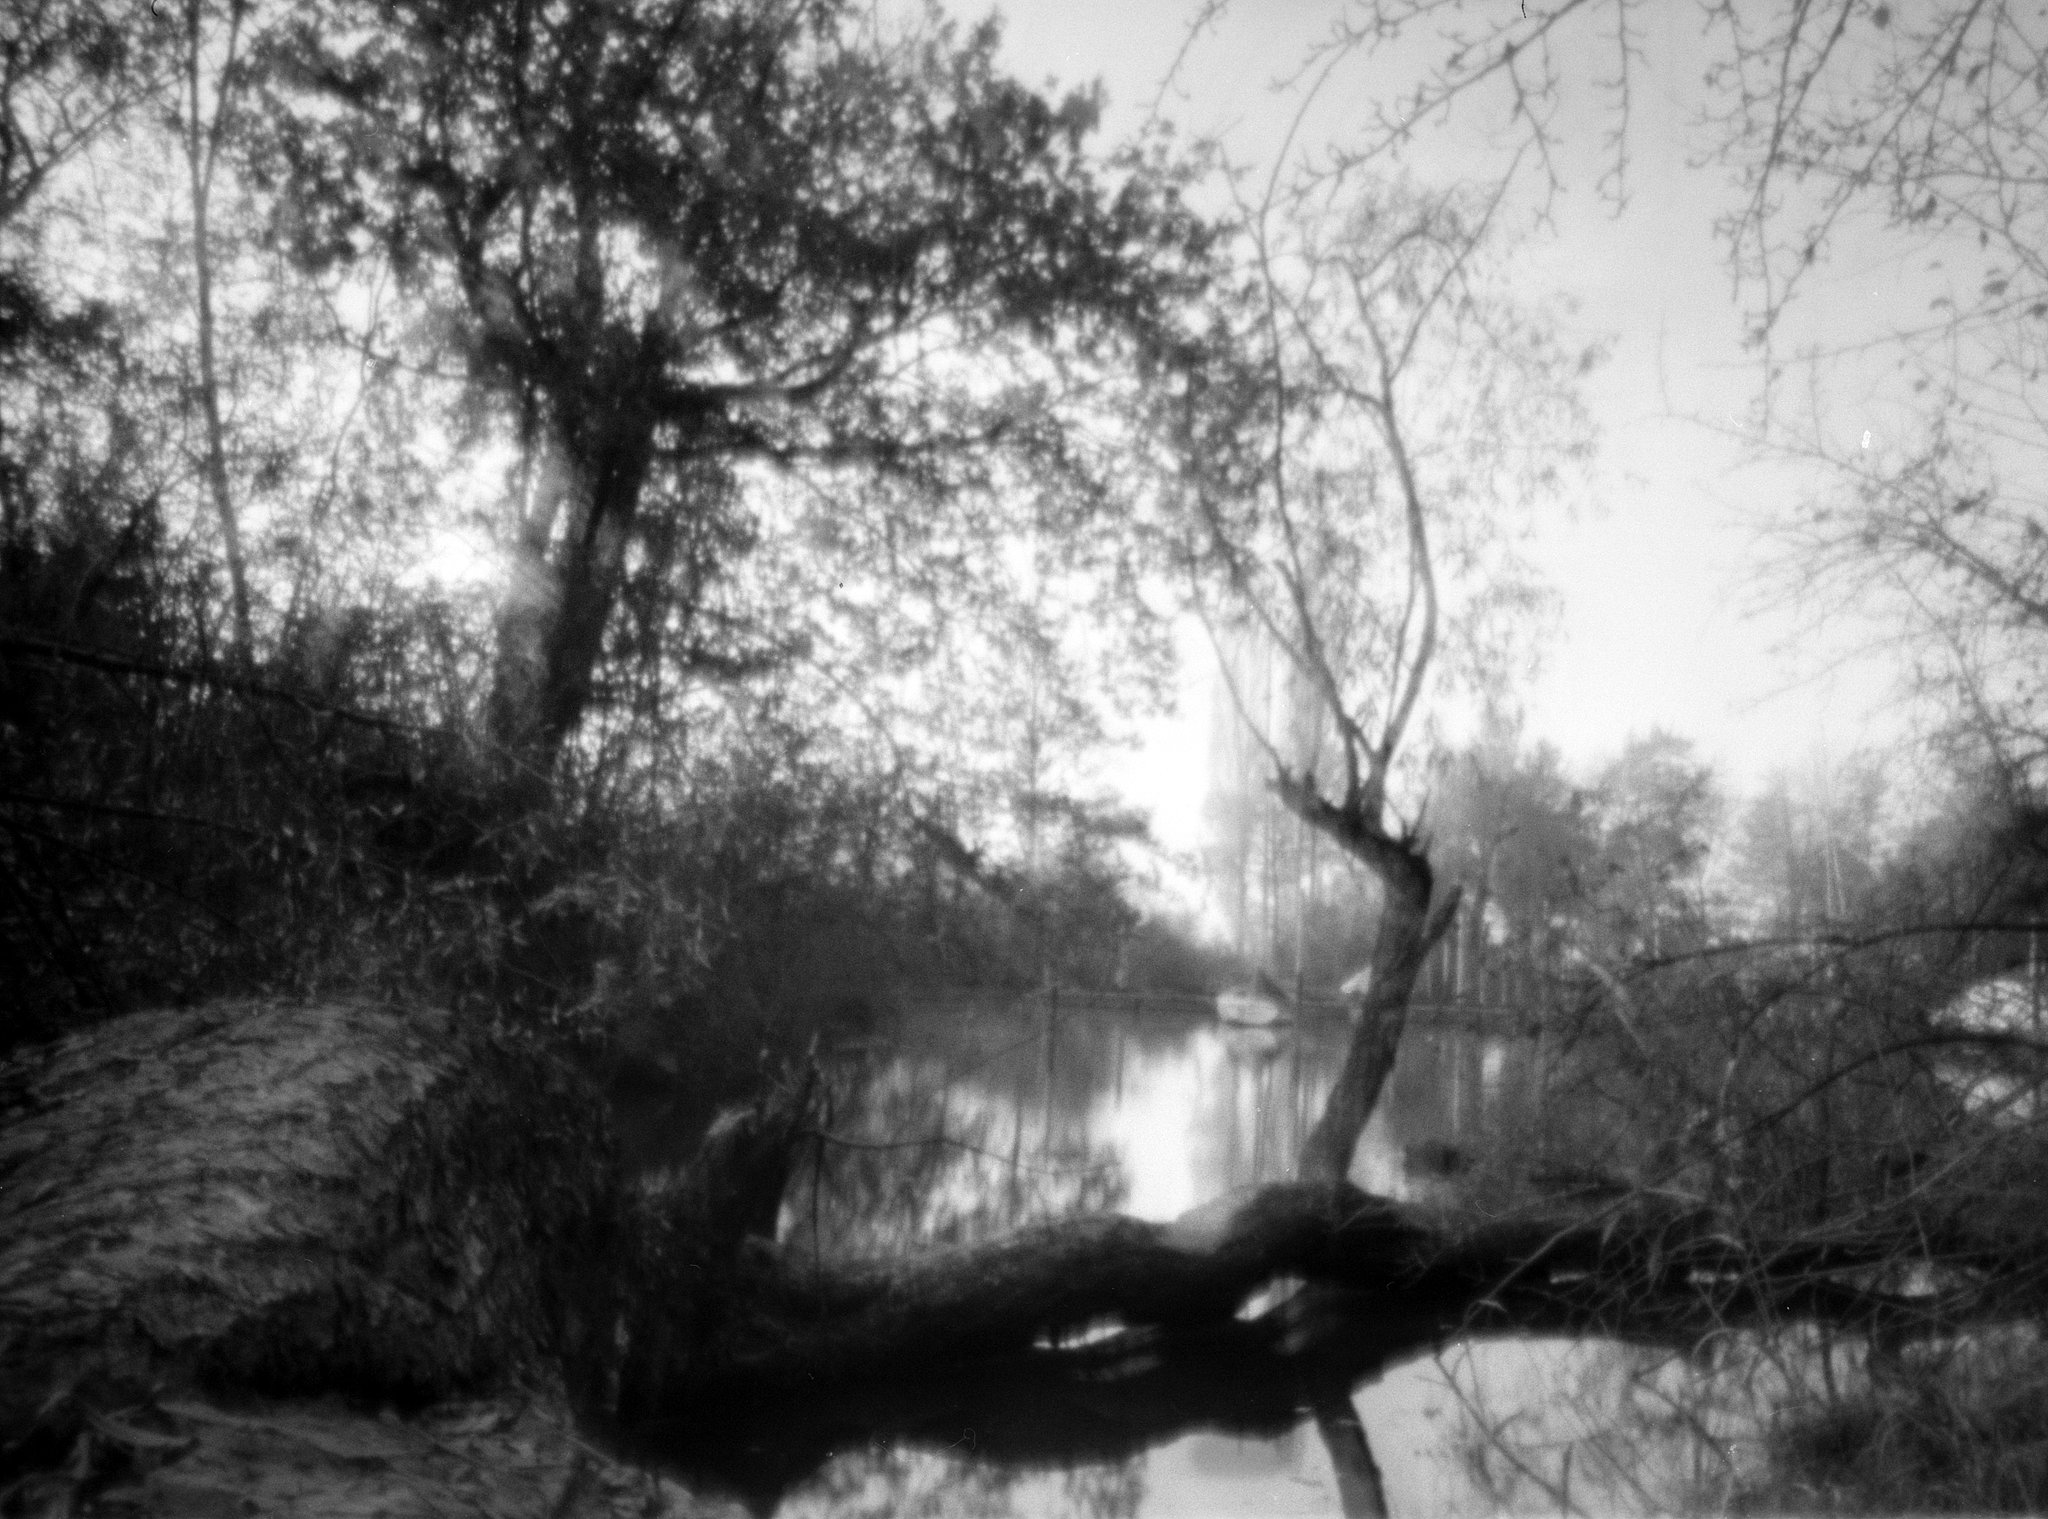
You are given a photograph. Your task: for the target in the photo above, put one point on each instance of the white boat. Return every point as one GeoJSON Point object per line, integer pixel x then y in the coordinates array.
{"type": "Point", "coordinates": [1356, 988]}
{"type": "Point", "coordinates": [1251, 1009]}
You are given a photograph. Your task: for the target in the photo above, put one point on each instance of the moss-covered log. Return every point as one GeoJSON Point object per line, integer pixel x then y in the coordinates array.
{"type": "Point", "coordinates": [230, 1236]}
{"type": "Point", "coordinates": [297, 1199]}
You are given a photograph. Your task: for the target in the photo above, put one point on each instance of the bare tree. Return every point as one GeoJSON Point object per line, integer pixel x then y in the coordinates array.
{"type": "Point", "coordinates": [1404, 419]}
{"type": "Point", "coordinates": [1926, 126]}
{"type": "Point", "coordinates": [206, 113]}
{"type": "Point", "coordinates": [1917, 133]}
{"type": "Point", "coordinates": [1938, 554]}
{"type": "Point", "coordinates": [1928, 114]}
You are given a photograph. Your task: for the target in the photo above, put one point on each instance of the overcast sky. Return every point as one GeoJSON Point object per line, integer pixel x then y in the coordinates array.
{"type": "Point", "coordinates": [1658, 576]}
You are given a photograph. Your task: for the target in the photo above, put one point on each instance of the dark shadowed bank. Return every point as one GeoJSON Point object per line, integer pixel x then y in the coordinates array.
{"type": "Point", "coordinates": [254, 1251]}
{"type": "Point", "coordinates": [342, 1258]}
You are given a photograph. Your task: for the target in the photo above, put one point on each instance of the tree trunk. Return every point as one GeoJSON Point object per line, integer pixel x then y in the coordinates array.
{"type": "Point", "coordinates": [1399, 950]}
{"type": "Point", "coordinates": [1360, 1492]}
{"type": "Point", "coordinates": [560, 599]}
{"type": "Point", "coordinates": [202, 147]}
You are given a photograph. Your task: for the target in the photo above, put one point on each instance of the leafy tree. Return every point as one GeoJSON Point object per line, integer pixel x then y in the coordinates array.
{"type": "Point", "coordinates": [1658, 809]}
{"type": "Point", "coordinates": [1806, 851]}
{"type": "Point", "coordinates": [200, 661]}
{"type": "Point", "coordinates": [725, 273]}
{"type": "Point", "coordinates": [1521, 838]}
{"type": "Point", "coordinates": [70, 70]}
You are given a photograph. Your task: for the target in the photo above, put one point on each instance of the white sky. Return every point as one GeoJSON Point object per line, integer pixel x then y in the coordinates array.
{"type": "Point", "coordinates": [1657, 576]}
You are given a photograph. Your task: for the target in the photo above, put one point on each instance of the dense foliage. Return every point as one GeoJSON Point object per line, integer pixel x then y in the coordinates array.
{"type": "Point", "coordinates": [738, 336]}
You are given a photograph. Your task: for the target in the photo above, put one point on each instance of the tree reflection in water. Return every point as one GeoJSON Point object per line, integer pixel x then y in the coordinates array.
{"type": "Point", "coordinates": [1591, 1426]}
{"type": "Point", "coordinates": [971, 1122]}
{"type": "Point", "coordinates": [892, 1481]}
{"type": "Point", "coordinates": [947, 1146]}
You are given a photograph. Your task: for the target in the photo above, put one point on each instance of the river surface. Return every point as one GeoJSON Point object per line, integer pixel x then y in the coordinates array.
{"type": "Point", "coordinates": [956, 1122]}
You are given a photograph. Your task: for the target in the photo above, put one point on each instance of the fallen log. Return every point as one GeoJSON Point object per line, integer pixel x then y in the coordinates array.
{"type": "Point", "coordinates": [812, 1319]}
{"type": "Point", "coordinates": [344, 1212]}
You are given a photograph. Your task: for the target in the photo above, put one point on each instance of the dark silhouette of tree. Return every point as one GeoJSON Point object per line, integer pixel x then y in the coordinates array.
{"type": "Point", "coordinates": [213, 79]}
{"type": "Point", "coordinates": [1522, 838]}
{"type": "Point", "coordinates": [1807, 849]}
{"type": "Point", "coordinates": [693, 253]}
{"type": "Point", "coordinates": [1657, 808]}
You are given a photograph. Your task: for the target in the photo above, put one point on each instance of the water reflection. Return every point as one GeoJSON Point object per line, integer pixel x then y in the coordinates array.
{"type": "Point", "coordinates": [965, 1120]}
{"type": "Point", "coordinates": [891, 1481]}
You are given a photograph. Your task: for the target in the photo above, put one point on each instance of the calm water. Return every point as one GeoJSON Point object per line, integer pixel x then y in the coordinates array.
{"type": "Point", "coordinates": [962, 1121]}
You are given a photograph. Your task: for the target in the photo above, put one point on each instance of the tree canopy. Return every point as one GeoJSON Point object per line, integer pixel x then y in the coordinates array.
{"type": "Point", "coordinates": [780, 351]}
{"type": "Point", "coordinates": [675, 241]}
